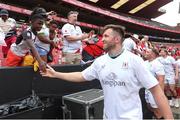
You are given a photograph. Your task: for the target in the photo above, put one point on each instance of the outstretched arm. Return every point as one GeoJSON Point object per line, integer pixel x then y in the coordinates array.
{"type": "Point", "coordinates": [72, 76]}
{"type": "Point", "coordinates": [42, 64]}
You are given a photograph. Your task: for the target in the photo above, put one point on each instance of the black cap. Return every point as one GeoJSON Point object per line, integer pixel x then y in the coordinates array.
{"type": "Point", "coordinates": [4, 12]}
{"type": "Point", "coordinates": [40, 11]}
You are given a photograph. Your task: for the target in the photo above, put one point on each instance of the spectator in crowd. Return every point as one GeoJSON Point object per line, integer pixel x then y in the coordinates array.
{"type": "Point", "coordinates": [48, 33]}
{"type": "Point", "coordinates": [43, 42]}
{"type": "Point", "coordinates": [171, 75]}
{"type": "Point", "coordinates": [53, 25]}
{"type": "Point", "coordinates": [73, 36]}
{"type": "Point", "coordinates": [6, 23]}
{"type": "Point", "coordinates": [130, 44]}
{"type": "Point", "coordinates": [145, 44]}
{"type": "Point", "coordinates": [8, 27]}
{"type": "Point", "coordinates": [93, 49]}
{"type": "Point", "coordinates": [120, 84]}
{"type": "Point", "coordinates": [25, 43]}
{"type": "Point", "coordinates": [157, 70]}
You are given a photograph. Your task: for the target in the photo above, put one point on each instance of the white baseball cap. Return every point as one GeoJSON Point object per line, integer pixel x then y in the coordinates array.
{"type": "Point", "coordinates": [135, 36]}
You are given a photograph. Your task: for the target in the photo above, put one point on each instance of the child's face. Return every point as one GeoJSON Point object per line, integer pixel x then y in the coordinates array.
{"type": "Point", "coordinates": [53, 27]}
{"type": "Point", "coordinates": [37, 24]}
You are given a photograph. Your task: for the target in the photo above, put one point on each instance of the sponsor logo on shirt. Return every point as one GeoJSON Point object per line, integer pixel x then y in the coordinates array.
{"type": "Point", "coordinates": [112, 80]}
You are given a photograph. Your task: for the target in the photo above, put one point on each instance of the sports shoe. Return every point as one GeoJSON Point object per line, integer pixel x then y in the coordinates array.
{"type": "Point", "coordinates": [171, 103]}
{"type": "Point", "coordinates": [176, 103]}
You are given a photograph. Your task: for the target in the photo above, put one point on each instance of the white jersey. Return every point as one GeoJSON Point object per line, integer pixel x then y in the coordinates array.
{"type": "Point", "coordinates": [22, 48]}
{"type": "Point", "coordinates": [168, 63]}
{"type": "Point", "coordinates": [121, 78]}
{"type": "Point", "coordinates": [129, 44]}
{"type": "Point", "coordinates": [156, 68]}
{"type": "Point", "coordinates": [68, 30]}
{"type": "Point", "coordinates": [45, 32]}
{"type": "Point", "coordinates": [178, 63]}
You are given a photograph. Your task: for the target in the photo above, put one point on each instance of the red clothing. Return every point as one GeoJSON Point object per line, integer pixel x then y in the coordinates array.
{"type": "Point", "coordinates": [96, 49]}
{"type": "Point", "coordinates": [13, 60]}
{"type": "Point", "coordinates": [9, 41]}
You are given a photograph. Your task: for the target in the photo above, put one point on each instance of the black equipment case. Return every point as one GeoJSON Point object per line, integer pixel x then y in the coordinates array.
{"type": "Point", "coordinates": [86, 104]}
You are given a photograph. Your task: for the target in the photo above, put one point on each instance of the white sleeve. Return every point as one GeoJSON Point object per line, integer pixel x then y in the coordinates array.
{"type": "Point", "coordinates": [90, 73]}
{"type": "Point", "coordinates": [159, 69]}
{"type": "Point", "coordinates": [44, 31]}
{"type": "Point", "coordinates": [79, 30]}
{"type": "Point", "coordinates": [66, 30]}
{"type": "Point", "coordinates": [143, 75]}
{"type": "Point", "coordinates": [134, 46]}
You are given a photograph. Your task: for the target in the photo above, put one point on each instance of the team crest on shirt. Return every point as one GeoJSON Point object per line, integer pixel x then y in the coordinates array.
{"type": "Point", "coordinates": [125, 65]}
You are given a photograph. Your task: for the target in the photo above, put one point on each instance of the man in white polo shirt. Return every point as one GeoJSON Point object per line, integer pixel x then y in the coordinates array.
{"type": "Point", "coordinates": [73, 36]}
{"type": "Point", "coordinates": [121, 74]}
{"type": "Point", "coordinates": [7, 25]}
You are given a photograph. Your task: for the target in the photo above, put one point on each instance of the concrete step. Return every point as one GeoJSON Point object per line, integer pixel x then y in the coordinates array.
{"type": "Point", "coordinates": [176, 112]}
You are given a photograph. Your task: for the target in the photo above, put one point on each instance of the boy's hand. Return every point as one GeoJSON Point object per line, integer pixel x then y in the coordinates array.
{"type": "Point", "coordinates": [91, 33]}
{"type": "Point", "coordinates": [50, 72]}
{"type": "Point", "coordinates": [42, 66]}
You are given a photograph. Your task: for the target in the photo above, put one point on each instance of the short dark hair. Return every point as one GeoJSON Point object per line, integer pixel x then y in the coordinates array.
{"type": "Point", "coordinates": [72, 12]}
{"type": "Point", "coordinates": [53, 22]}
{"type": "Point", "coordinates": [118, 28]}
{"type": "Point", "coordinates": [36, 16]}
{"type": "Point", "coordinates": [163, 49]}
{"type": "Point", "coordinates": [155, 51]}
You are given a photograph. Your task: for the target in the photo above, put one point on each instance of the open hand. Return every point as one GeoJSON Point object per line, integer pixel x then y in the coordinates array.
{"type": "Point", "coordinates": [50, 72]}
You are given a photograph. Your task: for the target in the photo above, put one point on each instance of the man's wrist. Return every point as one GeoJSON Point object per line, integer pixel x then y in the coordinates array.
{"type": "Point", "coordinates": [55, 74]}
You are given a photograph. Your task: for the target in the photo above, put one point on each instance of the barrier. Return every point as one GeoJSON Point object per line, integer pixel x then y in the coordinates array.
{"type": "Point", "coordinates": [16, 83]}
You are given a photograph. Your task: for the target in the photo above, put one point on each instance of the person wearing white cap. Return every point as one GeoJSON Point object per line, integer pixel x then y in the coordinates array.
{"type": "Point", "coordinates": [130, 44]}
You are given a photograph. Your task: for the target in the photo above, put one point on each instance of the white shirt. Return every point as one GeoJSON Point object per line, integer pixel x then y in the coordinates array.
{"type": "Point", "coordinates": [178, 63]}
{"type": "Point", "coordinates": [155, 67]}
{"type": "Point", "coordinates": [68, 30]}
{"type": "Point", "coordinates": [121, 78]}
{"type": "Point", "coordinates": [129, 44]}
{"type": "Point", "coordinates": [22, 48]}
{"type": "Point", "coordinates": [45, 32]}
{"type": "Point", "coordinates": [7, 25]}
{"type": "Point", "coordinates": [168, 63]}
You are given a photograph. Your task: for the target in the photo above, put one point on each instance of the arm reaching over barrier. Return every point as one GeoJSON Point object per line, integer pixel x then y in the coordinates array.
{"type": "Point", "coordinates": [72, 76]}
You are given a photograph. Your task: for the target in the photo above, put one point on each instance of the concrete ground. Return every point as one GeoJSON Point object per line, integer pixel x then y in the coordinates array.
{"type": "Point", "coordinates": [176, 112]}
